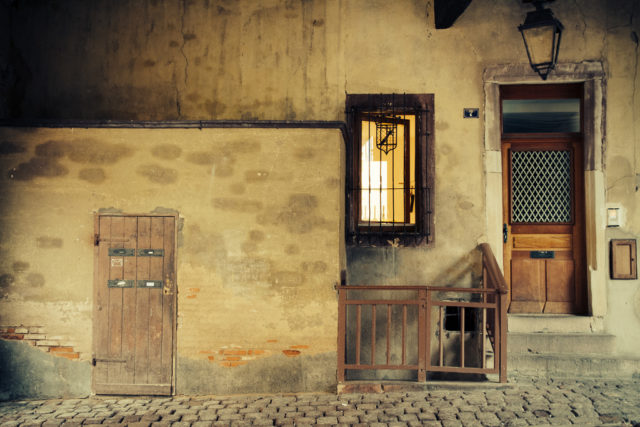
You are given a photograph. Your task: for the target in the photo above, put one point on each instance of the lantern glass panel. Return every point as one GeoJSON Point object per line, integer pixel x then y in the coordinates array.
{"type": "Point", "coordinates": [540, 42]}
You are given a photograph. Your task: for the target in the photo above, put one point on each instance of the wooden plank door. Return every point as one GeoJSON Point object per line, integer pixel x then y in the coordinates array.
{"type": "Point", "coordinates": [544, 231]}
{"type": "Point", "coordinates": [134, 305]}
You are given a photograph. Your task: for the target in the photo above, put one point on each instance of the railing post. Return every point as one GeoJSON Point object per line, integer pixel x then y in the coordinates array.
{"type": "Point", "coordinates": [423, 334]}
{"type": "Point", "coordinates": [503, 301]}
{"type": "Point", "coordinates": [342, 326]}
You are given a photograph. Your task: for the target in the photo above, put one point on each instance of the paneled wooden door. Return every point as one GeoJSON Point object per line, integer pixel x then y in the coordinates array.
{"type": "Point", "coordinates": [134, 304]}
{"type": "Point", "coordinates": [543, 198]}
{"type": "Point", "coordinates": [544, 240]}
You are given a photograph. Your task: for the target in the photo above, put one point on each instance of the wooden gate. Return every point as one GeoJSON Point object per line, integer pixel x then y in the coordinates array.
{"type": "Point", "coordinates": [134, 304]}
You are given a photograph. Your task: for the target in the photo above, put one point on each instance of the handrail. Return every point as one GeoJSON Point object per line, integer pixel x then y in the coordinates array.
{"type": "Point", "coordinates": [494, 279]}
{"type": "Point", "coordinates": [429, 305]}
{"type": "Point", "coordinates": [415, 288]}
{"type": "Point", "coordinates": [489, 260]}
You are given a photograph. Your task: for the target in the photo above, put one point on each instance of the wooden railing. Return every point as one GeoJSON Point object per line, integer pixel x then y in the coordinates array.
{"type": "Point", "coordinates": [405, 327]}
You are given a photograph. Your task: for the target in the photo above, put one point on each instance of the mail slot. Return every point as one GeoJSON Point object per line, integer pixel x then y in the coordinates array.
{"type": "Point", "coordinates": [149, 283]}
{"type": "Point", "coordinates": [121, 252]}
{"type": "Point", "coordinates": [542, 254]}
{"type": "Point", "coordinates": [119, 283]}
{"type": "Point", "coordinates": [150, 252]}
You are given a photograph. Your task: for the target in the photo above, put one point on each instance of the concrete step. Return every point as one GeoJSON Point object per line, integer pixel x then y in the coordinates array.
{"type": "Point", "coordinates": [564, 365]}
{"type": "Point", "coordinates": [564, 343]}
{"type": "Point", "coordinates": [560, 323]}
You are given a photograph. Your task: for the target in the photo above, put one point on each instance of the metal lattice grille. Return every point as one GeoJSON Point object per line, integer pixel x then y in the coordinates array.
{"type": "Point", "coordinates": [541, 186]}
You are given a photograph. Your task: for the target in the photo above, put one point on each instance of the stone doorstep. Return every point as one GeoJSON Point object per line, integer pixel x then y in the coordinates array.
{"type": "Point", "coordinates": [365, 387]}
{"type": "Point", "coordinates": [562, 365]}
{"type": "Point", "coordinates": [559, 323]}
{"type": "Point", "coordinates": [555, 342]}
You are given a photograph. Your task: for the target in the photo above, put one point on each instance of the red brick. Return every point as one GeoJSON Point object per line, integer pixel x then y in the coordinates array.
{"type": "Point", "coordinates": [233, 364]}
{"type": "Point", "coordinates": [12, 336]}
{"type": "Point", "coordinates": [233, 358]}
{"type": "Point", "coordinates": [61, 349]}
{"type": "Point", "coordinates": [235, 352]}
{"type": "Point", "coordinates": [68, 355]}
{"type": "Point", "coordinates": [291, 353]}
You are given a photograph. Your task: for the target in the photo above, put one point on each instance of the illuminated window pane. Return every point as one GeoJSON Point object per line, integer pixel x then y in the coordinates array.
{"type": "Point", "coordinates": [387, 174]}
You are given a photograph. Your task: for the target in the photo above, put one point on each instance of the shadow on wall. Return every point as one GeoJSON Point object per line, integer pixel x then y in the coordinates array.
{"type": "Point", "coordinates": [28, 372]}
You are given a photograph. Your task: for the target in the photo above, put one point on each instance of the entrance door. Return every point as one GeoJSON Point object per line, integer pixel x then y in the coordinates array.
{"type": "Point", "coordinates": [543, 206]}
{"type": "Point", "coordinates": [134, 305]}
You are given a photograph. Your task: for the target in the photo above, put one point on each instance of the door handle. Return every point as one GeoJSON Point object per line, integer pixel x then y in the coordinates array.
{"type": "Point", "coordinates": [505, 233]}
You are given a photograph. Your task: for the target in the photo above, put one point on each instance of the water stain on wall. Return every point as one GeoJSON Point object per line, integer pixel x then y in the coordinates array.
{"type": "Point", "coordinates": [222, 164]}
{"type": "Point", "coordinates": [158, 174]}
{"type": "Point", "coordinates": [292, 249]}
{"type": "Point", "coordinates": [253, 176]}
{"type": "Point", "coordinates": [85, 151]}
{"type": "Point", "coordinates": [92, 175]}
{"type": "Point", "coordinates": [47, 242]}
{"type": "Point", "coordinates": [42, 167]}
{"type": "Point", "coordinates": [97, 152]}
{"type": "Point", "coordinates": [237, 188]}
{"type": "Point", "coordinates": [35, 280]}
{"type": "Point", "coordinates": [304, 153]}
{"type": "Point", "coordinates": [286, 279]}
{"type": "Point", "coordinates": [46, 163]}
{"type": "Point", "coordinates": [297, 215]}
{"type": "Point", "coordinates": [6, 280]}
{"type": "Point", "coordinates": [256, 235]}
{"type": "Point", "coordinates": [204, 248]}
{"type": "Point", "coordinates": [7, 147]}
{"type": "Point", "coordinates": [314, 267]}
{"type": "Point", "coordinates": [20, 266]}
{"type": "Point", "coordinates": [237, 204]}
{"type": "Point", "coordinates": [166, 151]}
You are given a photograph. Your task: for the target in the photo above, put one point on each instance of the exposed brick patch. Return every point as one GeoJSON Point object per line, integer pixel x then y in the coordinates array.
{"type": "Point", "coordinates": [37, 337]}
{"type": "Point", "coordinates": [12, 336]}
{"type": "Point", "coordinates": [233, 355]}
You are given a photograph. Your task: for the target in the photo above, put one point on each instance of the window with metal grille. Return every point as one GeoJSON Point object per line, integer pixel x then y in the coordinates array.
{"type": "Point", "coordinates": [390, 170]}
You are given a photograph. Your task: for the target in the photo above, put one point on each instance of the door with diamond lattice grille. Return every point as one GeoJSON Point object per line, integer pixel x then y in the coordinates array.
{"type": "Point", "coordinates": [543, 204]}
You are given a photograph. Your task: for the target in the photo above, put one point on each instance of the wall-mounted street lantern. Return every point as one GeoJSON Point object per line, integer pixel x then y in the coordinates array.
{"type": "Point", "coordinates": [541, 33]}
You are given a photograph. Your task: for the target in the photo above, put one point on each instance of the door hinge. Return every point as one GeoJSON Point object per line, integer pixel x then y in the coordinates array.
{"type": "Point", "coordinates": [96, 240]}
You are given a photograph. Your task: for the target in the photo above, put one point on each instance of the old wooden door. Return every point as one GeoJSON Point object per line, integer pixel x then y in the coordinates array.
{"type": "Point", "coordinates": [543, 206]}
{"type": "Point", "coordinates": [134, 304]}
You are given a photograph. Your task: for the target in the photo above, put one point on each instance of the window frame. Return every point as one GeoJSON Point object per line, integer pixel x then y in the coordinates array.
{"type": "Point", "coordinates": [422, 232]}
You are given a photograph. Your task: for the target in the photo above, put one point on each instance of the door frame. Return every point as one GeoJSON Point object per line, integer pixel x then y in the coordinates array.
{"type": "Point", "coordinates": [96, 277]}
{"type": "Point", "coordinates": [592, 75]}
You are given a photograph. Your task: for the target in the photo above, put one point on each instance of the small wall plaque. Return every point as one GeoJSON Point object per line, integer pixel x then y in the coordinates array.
{"type": "Point", "coordinates": [624, 259]}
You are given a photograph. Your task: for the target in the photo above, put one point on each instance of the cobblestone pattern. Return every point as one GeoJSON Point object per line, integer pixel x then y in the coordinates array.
{"type": "Point", "coordinates": [581, 403]}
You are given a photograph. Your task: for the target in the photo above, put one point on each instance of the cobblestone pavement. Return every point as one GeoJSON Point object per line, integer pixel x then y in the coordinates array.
{"type": "Point", "coordinates": [522, 403]}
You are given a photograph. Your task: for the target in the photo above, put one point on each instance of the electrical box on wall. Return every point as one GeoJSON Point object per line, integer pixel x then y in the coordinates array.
{"type": "Point", "coordinates": [623, 259]}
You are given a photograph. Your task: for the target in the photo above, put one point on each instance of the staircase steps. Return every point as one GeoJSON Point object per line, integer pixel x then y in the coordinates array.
{"type": "Point", "coordinates": [565, 346]}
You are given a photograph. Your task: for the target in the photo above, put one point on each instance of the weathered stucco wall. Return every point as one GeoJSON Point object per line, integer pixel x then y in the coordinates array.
{"type": "Point", "coordinates": [258, 245]}
{"type": "Point", "coordinates": [284, 60]}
